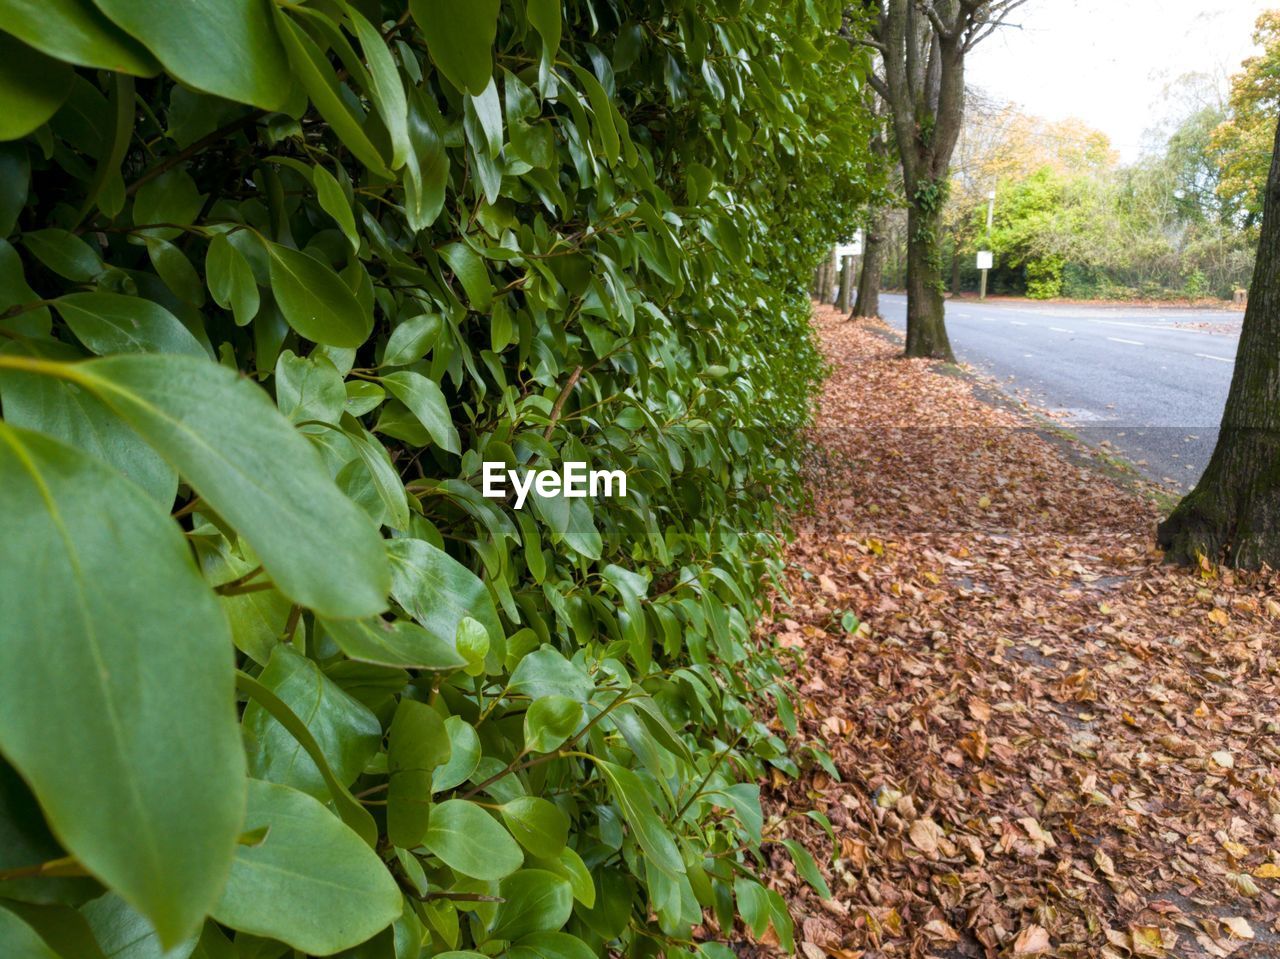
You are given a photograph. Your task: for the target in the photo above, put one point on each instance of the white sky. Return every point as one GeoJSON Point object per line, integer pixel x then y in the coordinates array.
{"type": "Point", "coordinates": [1112, 62]}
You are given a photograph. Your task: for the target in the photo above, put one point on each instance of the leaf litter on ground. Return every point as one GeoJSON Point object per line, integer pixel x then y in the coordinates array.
{"type": "Point", "coordinates": [1048, 741]}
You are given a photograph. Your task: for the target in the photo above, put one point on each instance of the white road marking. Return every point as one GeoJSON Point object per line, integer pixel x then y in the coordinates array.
{"type": "Point", "coordinates": [1116, 339]}
{"type": "Point", "coordinates": [1016, 323]}
{"type": "Point", "coordinates": [1220, 359]}
{"type": "Point", "coordinates": [1059, 329]}
{"type": "Point", "coordinates": [1165, 327]}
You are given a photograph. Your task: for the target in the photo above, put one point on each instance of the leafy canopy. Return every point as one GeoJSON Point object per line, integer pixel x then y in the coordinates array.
{"type": "Point", "coordinates": [275, 279]}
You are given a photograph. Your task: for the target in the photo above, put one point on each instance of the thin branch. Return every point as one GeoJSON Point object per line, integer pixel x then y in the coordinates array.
{"type": "Point", "coordinates": [877, 83]}
{"type": "Point", "coordinates": [208, 140]}
{"type": "Point", "coordinates": [233, 585]}
{"type": "Point", "coordinates": [560, 401]}
{"type": "Point", "coordinates": [939, 25]}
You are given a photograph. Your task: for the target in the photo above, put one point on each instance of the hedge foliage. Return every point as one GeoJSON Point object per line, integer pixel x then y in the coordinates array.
{"type": "Point", "coordinates": [275, 678]}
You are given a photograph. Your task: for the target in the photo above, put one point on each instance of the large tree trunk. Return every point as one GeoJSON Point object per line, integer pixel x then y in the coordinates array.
{"type": "Point", "coordinates": [1233, 514]}
{"type": "Point", "coordinates": [926, 324]}
{"type": "Point", "coordinates": [867, 303]}
{"type": "Point", "coordinates": [846, 284]}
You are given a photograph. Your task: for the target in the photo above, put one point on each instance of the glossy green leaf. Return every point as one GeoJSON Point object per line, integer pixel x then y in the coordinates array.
{"type": "Point", "coordinates": [231, 281]}
{"type": "Point", "coordinates": [311, 882]}
{"type": "Point", "coordinates": [469, 268]}
{"type": "Point", "coordinates": [753, 905]}
{"type": "Point", "coordinates": [231, 51]}
{"type": "Point", "coordinates": [459, 38]}
{"type": "Point", "coordinates": [173, 267]}
{"type": "Point", "coordinates": [111, 323]}
{"type": "Point", "coordinates": [346, 732]}
{"type": "Point", "coordinates": [637, 808]}
{"type": "Point", "coordinates": [550, 945]}
{"type": "Point", "coordinates": [549, 721]}
{"type": "Point", "coordinates": [427, 403]}
{"type": "Point", "coordinates": [171, 197]}
{"type": "Point", "coordinates": [388, 92]}
{"type": "Point", "coordinates": [334, 202]}
{"type": "Point", "coordinates": [314, 299]}
{"type": "Point", "coordinates": [161, 822]}
{"type": "Point", "coordinates": [472, 641]}
{"type": "Point", "coordinates": [538, 825]}
{"type": "Point", "coordinates": [32, 87]}
{"type": "Point", "coordinates": [412, 339]}
{"type": "Point", "coordinates": [438, 591]}
{"type": "Point", "coordinates": [65, 253]}
{"type": "Point", "coordinates": [19, 941]}
{"type": "Point", "coordinates": [228, 441]}
{"type": "Point", "coordinates": [545, 15]}
{"type": "Point", "coordinates": [399, 643]}
{"type": "Point", "coordinates": [416, 744]}
{"type": "Point", "coordinates": [309, 388]}
{"type": "Point", "coordinates": [535, 901]}
{"type": "Point", "coordinates": [545, 672]}
{"type": "Point", "coordinates": [76, 31]}
{"type": "Point", "coordinates": [603, 111]}
{"type": "Point", "coordinates": [569, 865]}
{"type": "Point", "coordinates": [317, 76]}
{"type": "Point", "coordinates": [470, 841]}
{"type": "Point", "coordinates": [807, 868]}
{"type": "Point", "coordinates": [74, 416]}
{"type": "Point", "coordinates": [464, 755]}
{"type": "Point", "coordinates": [124, 933]}
{"type": "Point", "coordinates": [348, 807]}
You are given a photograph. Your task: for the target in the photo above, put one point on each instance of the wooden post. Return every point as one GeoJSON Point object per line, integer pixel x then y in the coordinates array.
{"type": "Point", "coordinates": [843, 300]}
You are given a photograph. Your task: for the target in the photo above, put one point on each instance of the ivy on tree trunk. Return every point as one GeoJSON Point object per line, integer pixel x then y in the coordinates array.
{"type": "Point", "coordinates": [922, 45]}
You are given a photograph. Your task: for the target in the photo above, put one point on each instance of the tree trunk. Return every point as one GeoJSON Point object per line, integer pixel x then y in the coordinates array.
{"type": "Point", "coordinates": [926, 324]}
{"type": "Point", "coordinates": [820, 285]}
{"type": "Point", "coordinates": [867, 303]}
{"type": "Point", "coordinates": [846, 284]}
{"type": "Point", "coordinates": [1233, 514]}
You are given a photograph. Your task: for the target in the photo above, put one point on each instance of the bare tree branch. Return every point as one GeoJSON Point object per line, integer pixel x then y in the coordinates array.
{"type": "Point", "coordinates": [935, 18]}
{"type": "Point", "coordinates": [877, 83]}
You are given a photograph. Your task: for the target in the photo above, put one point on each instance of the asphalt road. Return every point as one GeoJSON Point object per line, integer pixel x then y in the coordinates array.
{"type": "Point", "coordinates": [1148, 384]}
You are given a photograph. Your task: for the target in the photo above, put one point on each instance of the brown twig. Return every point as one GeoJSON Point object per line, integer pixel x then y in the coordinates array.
{"type": "Point", "coordinates": [560, 401]}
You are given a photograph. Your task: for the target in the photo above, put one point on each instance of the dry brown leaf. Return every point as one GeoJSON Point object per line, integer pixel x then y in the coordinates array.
{"type": "Point", "coordinates": [1031, 941]}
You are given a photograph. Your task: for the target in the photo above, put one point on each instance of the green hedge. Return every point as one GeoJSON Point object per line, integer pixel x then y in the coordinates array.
{"type": "Point", "coordinates": [276, 278]}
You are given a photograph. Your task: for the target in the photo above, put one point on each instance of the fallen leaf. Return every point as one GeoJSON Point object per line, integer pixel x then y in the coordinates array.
{"type": "Point", "coordinates": [1031, 941]}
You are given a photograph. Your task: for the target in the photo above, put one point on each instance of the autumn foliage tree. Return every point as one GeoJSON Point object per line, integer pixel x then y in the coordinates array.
{"type": "Point", "coordinates": [1243, 141]}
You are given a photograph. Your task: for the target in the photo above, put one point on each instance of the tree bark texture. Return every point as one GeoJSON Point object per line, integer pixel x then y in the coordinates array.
{"type": "Point", "coordinates": [923, 45]}
{"type": "Point", "coordinates": [926, 325]}
{"type": "Point", "coordinates": [867, 302]}
{"type": "Point", "coordinates": [846, 284]}
{"type": "Point", "coordinates": [1233, 514]}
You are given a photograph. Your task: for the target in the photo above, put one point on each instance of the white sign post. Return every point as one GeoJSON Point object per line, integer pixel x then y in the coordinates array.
{"type": "Point", "coordinates": [852, 248]}
{"type": "Point", "coordinates": [984, 256]}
